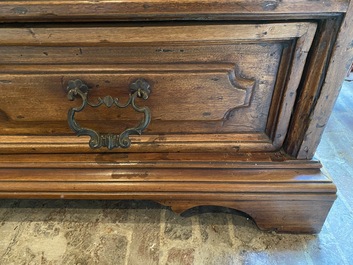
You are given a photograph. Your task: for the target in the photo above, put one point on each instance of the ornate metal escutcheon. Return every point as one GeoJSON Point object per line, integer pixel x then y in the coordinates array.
{"type": "Point", "coordinates": [140, 88]}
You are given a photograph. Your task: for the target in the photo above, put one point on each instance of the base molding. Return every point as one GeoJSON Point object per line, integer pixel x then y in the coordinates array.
{"type": "Point", "coordinates": [283, 216]}
{"type": "Point", "coordinates": [294, 198]}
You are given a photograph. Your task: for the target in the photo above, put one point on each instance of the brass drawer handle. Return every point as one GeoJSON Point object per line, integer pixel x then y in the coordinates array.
{"type": "Point", "coordinates": [140, 88]}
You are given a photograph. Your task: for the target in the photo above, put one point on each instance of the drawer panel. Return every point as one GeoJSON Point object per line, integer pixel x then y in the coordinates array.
{"type": "Point", "coordinates": [185, 93]}
{"type": "Point", "coordinates": [231, 85]}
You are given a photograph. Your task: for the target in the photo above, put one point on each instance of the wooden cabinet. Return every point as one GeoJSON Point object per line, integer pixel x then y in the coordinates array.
{"type": "Point", "coordinates": [186, 103]}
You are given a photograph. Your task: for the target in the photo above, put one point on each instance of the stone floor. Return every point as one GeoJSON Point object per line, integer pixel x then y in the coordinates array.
{"type": "Point", "coordinates": [132, 232]}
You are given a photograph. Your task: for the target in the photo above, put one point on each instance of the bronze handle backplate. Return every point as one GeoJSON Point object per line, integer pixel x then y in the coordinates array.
{"type": "Point", "coordinates": [140, 88]}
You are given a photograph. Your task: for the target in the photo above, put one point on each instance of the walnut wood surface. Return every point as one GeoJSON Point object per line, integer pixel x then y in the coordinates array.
{"type": "Point", "coordinates": [303, 143]}
{"type": "Point", "coordinates": [238, 107]}
{"type": "Point", "coordinates": [292, 199]}
{"type": "Point", "coordinates": [260, 160]}
{"type": "Point", "coordinates": [289, 216]}
{"type": "Point", "coordinates": [68, 10]}
{"type": "Point", "coordinates": [146, 143]}
{"type": "Point", "coordinates": [54, 35]}
{"type": "Point", "coordinates": [312, 83]}
{"type": "Point", "coordinates": [213, 79]}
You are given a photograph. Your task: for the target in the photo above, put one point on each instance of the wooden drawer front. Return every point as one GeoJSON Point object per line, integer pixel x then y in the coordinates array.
{"type": "Point", "coordinates": [214, 87]}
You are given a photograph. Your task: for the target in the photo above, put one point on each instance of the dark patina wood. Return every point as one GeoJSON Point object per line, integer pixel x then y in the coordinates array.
{"type": "Point", "coordinates": [238, 102]}
{"type": "Point", "coordinates": [73, 10]}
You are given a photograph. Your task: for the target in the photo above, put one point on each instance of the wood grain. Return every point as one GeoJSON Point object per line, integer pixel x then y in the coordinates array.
{"type": "Point", "coordinates": [247, 161]}
{"type": "Point", "coordinates": [219, 87]}
{"type": "Point", "coordinates": [339, 65]}
{"type": "Point", "coordinates": [211, 65]}
{"type": "Point", "coordinates": [294, 76]}
{"type": "Point", "coordinates": [289, 219]}
{"type": "Point", "coordinates": [66, 10]}
{"type": "Point", "coordinates": [146, 143]}
{"type": "Point", "coordinates": [312, 83]}
{"type": "Point", "coordinates": [277, 199]}
{"type": "Point", "coordinates": [225, 96]}
{"type": "Point", "coordinates": [142, 34]}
